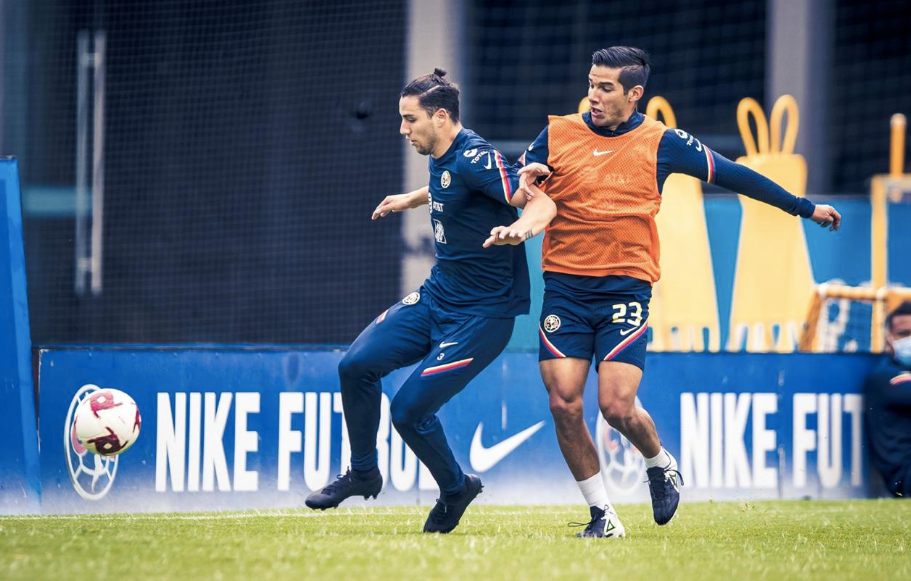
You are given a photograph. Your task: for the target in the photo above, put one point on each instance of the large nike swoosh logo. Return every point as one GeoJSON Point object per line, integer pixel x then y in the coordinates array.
{"type": "Point", "coordinates": [483, 459]}
{"type": "Point", "coordinates": [625, 332]}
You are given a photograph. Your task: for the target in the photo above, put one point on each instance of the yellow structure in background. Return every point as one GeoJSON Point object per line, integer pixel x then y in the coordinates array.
{"type": "Point", "coordinates": [584, 106]}
{"type": "Point", "coordinates": [883, 297]}
{"type": "Point", "coordinates": [683, 312]}
{"type": "Point", "coordinates": [884, 188]}
{"type": "Point", "coordinates": [773, 281]}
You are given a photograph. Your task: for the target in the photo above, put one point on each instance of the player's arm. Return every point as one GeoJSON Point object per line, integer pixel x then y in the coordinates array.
{"type": "Point", "coordinates": [534, 168]}
{"type": "Point", "coordinates": [401, 202]}
{"type": "Point", "coordinates": [533, 174]}
{"type": "Point", "coordinates": [538, 213]}
{"type": "Point", "coordinates": [488, 173]}
{"type": "Point", "coordinates": [680, 152]}
{"type": "Point", "coordinates": [895, 390]}
{"type": "Point", "coordinates": [889, 386]}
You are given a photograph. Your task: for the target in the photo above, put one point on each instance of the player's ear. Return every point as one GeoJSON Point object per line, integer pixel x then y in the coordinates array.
{"type": "Point", "coordinates": [635, 93]}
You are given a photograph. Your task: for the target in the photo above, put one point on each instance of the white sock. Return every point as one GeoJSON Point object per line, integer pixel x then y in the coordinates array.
{"type": "Point", "coordinates": [593, 490]}
{"type": "Point", "coordinates": [663, 459]}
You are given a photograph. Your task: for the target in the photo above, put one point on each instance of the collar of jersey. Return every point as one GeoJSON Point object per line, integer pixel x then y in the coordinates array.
{"type": "Point", "coordinates": [455, 146]}
{"type": "Point", "coordinates": [635, 120]}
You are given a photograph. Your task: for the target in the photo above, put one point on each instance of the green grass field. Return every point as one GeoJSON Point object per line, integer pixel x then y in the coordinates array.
{"type": "Point", "coordinates": [867, 539]}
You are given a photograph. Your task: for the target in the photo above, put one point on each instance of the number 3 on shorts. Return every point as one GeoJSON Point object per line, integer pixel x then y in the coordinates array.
{"type": "Point", "coordinates": [630, 313]}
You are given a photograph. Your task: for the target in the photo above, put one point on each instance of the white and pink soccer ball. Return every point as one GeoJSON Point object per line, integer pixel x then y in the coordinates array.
{"type": "Point", "coordinates": [107, 422]}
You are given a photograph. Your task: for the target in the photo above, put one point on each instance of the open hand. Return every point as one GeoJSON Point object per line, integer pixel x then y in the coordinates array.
{"type": "Point", "coordinates": [390, 204]}
{"type": "Point", "coordinates": [502, 235]}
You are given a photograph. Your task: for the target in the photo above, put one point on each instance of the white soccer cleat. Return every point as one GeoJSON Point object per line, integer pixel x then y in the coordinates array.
{"type": "Point", "coordinates": [605, 524]}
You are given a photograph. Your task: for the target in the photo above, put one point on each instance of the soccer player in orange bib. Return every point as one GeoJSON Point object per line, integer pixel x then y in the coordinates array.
{"type": "Point", "coordinates": [605, 170]}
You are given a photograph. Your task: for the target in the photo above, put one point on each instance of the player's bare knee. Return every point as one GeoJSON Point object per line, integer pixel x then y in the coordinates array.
{"type": "Point", "coordinates": [618, 413]}
{"type": "Point", "coordinates": [565, 409]}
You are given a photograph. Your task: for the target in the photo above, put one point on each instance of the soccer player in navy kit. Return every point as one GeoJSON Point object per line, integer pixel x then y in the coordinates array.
{"type": "Point", "coordinates": [457, 322]}
{"type": "Point", "coordinates": [605, 171]}
{"type": "Point", "coordinates": [887, 404]}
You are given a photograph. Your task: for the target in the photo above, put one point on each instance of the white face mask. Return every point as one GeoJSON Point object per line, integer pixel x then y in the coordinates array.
{"type": "Point", "coordinates": [902, 350]}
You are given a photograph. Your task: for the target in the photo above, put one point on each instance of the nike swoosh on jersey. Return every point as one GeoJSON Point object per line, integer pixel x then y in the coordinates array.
{"type": "Point", "coordinates": [483, 459]}
{"type": "Point", "coordinates": [626, 332]}
{"type": "Point", "coordinates": [446, 344]}
{"type": "Point", "coordinates": [597, 152]}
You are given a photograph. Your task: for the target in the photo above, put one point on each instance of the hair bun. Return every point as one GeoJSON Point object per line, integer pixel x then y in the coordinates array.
{"type": "Point", "coordinates": [439, 72]}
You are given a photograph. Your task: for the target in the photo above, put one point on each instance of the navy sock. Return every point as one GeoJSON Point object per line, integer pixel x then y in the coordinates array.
{"type": "Point", "coordinates": [366, 474]}
{"type": "Point", "coordinates": [457, 491]}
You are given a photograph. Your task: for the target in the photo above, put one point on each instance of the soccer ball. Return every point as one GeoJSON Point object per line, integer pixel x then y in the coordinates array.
{"type": "Point", "coordinates": [107, 422]}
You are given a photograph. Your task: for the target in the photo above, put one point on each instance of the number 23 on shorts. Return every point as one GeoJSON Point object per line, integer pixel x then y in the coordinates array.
{"type": "Point", "coordinates": [630, 313]}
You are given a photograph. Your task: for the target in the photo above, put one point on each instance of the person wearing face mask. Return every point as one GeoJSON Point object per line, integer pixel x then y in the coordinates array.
{"type": "Point", "coordinates": [887, 403]}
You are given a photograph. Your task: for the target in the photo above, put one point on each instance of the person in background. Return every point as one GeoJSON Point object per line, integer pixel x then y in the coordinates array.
{"type": "Point", "coordinates": [887, 405]}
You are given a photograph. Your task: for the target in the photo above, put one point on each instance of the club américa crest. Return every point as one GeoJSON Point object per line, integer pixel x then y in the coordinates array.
{"type": "Point", "coordinates": [92, 475]}
{"type": "Point", "coordinates": [551, 323]}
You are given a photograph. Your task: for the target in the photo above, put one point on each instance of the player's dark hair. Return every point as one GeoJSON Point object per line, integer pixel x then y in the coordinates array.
{"type": "Point", "coordinates": [900, 311]}
{"type": "Point", "coordinates": [633, 64]}
{"type": "Point", "coordinates": [434, 92]}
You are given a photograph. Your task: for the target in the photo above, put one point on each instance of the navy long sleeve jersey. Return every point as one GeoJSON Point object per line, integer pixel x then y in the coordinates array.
{"type": "Point", "coordinates": [471, 186]}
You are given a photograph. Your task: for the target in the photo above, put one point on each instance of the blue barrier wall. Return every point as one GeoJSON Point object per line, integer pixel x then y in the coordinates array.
{"type": "Point", "coordinates": [259, 427]}
{"type": "Point", "coordinates": [842, 256]}
{"type": "Point", "coordinates": [19, 487]}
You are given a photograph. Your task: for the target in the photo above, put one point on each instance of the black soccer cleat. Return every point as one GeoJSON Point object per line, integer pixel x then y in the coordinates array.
{"type": "Point", "coordinates": [605, 524]}
{"type": "Point", "coordinates": [662, 484]}
{"type": "Point", "coordinates": [448, 510]}
{"type": "Point", "coordinates": [345, 485]}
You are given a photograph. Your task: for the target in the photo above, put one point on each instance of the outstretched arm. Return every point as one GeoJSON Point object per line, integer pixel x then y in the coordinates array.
{"type": "Point", "coordinates": [400, 203]}
{"type": "Point", "coordinates": [538, 212]}
{"type": "Point", "coordinates": [680, 152]}
{"type": "Point", "coordinates": [739, 178]}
